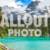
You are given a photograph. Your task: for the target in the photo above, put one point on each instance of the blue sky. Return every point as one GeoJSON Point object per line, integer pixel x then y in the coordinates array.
{"type": "Point", "coordinates": [19, 3]}
{"type": "Point", "coordinates": [25, 2]}
{"type": "Point", "coordinates": [15, 3]}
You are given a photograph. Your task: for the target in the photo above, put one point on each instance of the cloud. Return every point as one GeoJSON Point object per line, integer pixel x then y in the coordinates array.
{"type": "Point", "coordinates": [11, 3]}
{"type": "Point", "coordinates": [19, 3]}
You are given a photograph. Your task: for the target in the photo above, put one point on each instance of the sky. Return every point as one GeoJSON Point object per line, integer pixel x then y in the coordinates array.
{"type": "Point", "coordinates": [20, 3]}
{"type": "Point", "coordinates": [25, 2]}
{"type": "Point", "coordinates": [15, 3]}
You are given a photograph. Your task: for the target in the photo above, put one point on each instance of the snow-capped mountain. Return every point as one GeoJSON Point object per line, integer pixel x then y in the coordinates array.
{"type": "Point", "coordinates": [32, 6]}
{"type": "Point", "coordinates": [32, 9]}
{"type": "Point", "coordinates": [12, 9]}
{"type": "Point", "coordinates": [7, 9]}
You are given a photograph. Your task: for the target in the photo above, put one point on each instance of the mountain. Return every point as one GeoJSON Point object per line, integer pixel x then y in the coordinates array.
{"type": "Point", "coordinates": [12, 9]}
{"type": "Point", "coordinates": [33, 9]}
{"type": "Point", "coordinates": [32, 6]}
{"type": "Point", "coordinates": [7, 9]}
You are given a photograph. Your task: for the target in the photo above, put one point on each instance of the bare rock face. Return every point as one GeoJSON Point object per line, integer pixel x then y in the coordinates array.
{"type": "Point", "coordinates": [32, 6]}
{"type": "Point", "coordinates": [33, 9]}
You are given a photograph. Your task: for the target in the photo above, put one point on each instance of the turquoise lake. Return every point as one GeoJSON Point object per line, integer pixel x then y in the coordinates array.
{"type": "Point", "coordinates": [26, 43]}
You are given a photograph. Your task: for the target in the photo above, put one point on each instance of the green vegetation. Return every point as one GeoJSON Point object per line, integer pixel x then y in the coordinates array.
{"type": "Point", "coordinates": [0, 21]}
{"type": "Point", "coordinates": [45, 30]}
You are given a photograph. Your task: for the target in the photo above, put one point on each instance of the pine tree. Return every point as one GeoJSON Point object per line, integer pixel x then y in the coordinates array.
{"type": "Point", "coordinates": [0, 21]}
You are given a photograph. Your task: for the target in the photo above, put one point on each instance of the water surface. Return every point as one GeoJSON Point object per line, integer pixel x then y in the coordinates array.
{"type": "Point", "coordinates": [26, 43]}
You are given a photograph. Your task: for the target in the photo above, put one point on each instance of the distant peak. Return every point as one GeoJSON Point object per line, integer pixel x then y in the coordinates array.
{"type": "Point", "coordinates": [36, 0]}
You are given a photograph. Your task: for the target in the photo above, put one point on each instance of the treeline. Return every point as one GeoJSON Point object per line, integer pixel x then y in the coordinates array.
{"type": "Point", "coordinates": [45, 30]}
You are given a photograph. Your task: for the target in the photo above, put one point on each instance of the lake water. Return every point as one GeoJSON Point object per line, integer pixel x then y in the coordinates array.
{"type": "Point", "coordinates": [26, 43]}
